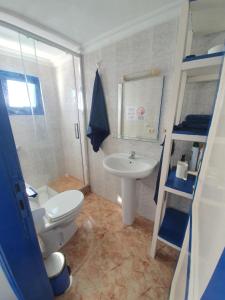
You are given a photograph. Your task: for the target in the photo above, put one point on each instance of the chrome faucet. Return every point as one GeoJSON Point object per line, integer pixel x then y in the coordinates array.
{"type": "Point", "coordinates": [132, 155]}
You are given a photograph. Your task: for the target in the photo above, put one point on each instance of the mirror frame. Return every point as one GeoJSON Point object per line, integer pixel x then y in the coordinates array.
{"type": "Point", "coordinates": [120, 112]}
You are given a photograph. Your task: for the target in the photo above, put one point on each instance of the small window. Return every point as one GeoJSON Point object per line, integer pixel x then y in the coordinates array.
{"type": "Point", "coordinates": [22, 93]}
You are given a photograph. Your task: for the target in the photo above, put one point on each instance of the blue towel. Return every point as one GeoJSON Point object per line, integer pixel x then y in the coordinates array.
{"type": "Point", "coordinates": [196, 123]}
{"type": "Point", "coordinates": [98, 128]}
{"type": "Point", "coordinates": [198, 119]}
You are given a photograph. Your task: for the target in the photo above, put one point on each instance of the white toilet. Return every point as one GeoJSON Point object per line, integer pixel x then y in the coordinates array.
{"type": "Point", "coordinates": [55, 220]}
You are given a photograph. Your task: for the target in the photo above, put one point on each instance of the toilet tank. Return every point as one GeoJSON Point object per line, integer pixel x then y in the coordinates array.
{"type": "Point", "coordinates": [38, 214]}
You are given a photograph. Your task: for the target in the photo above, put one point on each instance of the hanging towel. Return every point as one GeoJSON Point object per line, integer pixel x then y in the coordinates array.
{"type": "Point", "coordinates": [98, 128]}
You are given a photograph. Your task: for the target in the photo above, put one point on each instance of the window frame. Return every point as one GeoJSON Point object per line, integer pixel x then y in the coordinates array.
{"type": "Point", "coordinates": [8, 75]}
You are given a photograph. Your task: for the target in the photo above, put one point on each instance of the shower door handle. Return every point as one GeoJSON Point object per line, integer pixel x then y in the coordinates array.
{"type": "Point", "coordinates": [77, 131]}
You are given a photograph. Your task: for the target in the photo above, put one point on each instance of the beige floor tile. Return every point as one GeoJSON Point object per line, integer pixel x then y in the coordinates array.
{"type": "Point", "coordinates": [110, 260]}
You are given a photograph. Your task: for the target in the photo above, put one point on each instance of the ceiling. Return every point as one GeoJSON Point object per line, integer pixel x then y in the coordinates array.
{"type": "Point", "coordinates": [83, 21]}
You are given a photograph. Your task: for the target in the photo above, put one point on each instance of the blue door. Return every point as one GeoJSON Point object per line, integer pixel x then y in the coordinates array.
{"type": "Point", "coordinates": [20, 255]}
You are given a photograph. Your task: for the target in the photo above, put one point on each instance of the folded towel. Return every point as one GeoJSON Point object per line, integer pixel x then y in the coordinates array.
{"type": "Point", "coordinates": [98, 128]}
{"type": "Point", "coordinates": [196, 123]}
{"type": "Point", "coordinates": [190, 126]}
{"type": "Point", "coordinates": [198, 118]}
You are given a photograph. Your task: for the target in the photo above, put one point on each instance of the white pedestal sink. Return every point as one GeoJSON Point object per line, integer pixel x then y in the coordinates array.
{"type": "Point", "coordinates": [129, 170]}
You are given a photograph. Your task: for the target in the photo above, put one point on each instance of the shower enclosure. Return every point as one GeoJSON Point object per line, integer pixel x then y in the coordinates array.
{"type": "Point", "coordinates": [43, 94]}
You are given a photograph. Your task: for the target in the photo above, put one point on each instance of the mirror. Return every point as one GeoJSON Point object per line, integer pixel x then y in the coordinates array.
{"type": "Point", "coordinates": [139, 107]}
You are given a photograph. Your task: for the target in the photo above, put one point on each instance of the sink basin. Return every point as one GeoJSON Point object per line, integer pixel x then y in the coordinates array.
{"type": "Point", "coordinates": [120, 165]}
{"type": "Point", "coordinates": [129, 170]}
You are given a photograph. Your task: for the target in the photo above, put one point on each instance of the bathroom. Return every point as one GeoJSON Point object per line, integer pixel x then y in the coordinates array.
{"type": "Point", "coordinates": [112, 250]}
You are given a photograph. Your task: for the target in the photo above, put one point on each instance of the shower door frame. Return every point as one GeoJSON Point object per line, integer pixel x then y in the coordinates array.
{"type": "Point", "coordinates": [30, 30]}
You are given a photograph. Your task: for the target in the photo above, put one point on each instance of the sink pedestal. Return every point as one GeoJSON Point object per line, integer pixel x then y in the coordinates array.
{"type": "Point", "coordinates": [121, 165]}
{"type": "Point", "coordinates": [129, 201]}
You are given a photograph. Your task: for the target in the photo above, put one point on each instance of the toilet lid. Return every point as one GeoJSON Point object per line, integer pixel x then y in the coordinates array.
{"type": "Point", "coordinates": [63, 204]}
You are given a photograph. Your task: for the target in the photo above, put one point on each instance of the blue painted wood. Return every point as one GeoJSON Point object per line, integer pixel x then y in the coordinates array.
{"type": "Point", "coordinates": [204, 56]}
{"type": "Point", "coordinates": [185, 186]}
{"type": "Point", "coordinates": [174, 226]}
{"type": "Point", "coordinates": [20, 253]}
{"type": "Point", "coordinates": [194, 132]}
{"type": "Point", "coordinates": [216, 287]}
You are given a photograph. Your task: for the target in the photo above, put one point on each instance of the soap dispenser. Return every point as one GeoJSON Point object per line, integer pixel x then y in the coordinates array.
{"type": "Point", "coordinates": [182, 168]}
{"type": "Point", "coordinates": [194, 156]}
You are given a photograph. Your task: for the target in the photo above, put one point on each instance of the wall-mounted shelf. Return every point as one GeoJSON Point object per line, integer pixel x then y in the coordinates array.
{"type": "Point", "coordinates": [178, 193]}
{"type": "Point", "coordinates": [173, 227]}
{"type": "Point", "coordinates": [179, 186]}
{"type": "Point", "coordinates": [203, 68]}
{"type": "Point", "coordinates": [196, 16]}
{"type": "Point", "coordinates": [188, 136]}
{"type": "Point", "coordinates": [204, 78]}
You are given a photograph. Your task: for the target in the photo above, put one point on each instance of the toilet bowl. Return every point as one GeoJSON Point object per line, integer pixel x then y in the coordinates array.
{"type": "Point", "coordinates": [55, 220]}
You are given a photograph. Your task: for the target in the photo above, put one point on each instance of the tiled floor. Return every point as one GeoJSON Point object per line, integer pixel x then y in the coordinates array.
{"type": "Point", "coordinates": [110, 260]}
{"type": "Point", "coordinates": [67, 182]}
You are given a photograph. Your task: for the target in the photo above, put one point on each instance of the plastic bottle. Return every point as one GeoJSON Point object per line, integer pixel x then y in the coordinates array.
{"type": "Point", "coordinates": [194, 156]}
{"type": "Point", "coordinates": [182, 168]}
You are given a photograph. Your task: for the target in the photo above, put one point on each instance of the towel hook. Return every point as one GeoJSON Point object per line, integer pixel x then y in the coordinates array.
{"type": "Point", "coordinates": [99, 64]}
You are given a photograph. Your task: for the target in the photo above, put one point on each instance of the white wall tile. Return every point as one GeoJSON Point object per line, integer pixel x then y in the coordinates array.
{"type": "Point", "coordinates": [152, 48]}
{"type": "Point", "coordinates": [39, 137]}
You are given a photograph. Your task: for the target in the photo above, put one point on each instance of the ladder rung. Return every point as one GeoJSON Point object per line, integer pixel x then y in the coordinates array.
{"type": "Point", "coordinates": [168, 243]}
{"type": "Point", "coordinates": [177, 192]}
{"type": "Point", "coordinates": [189, 137]}
{"type": "Point", "coordinates": [179, 186]}
{"type": "Point", "coordinates": [206, 66]}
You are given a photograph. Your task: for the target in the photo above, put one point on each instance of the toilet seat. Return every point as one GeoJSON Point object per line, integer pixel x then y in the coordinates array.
{"type": "Point", "coordinates": [63, 205]}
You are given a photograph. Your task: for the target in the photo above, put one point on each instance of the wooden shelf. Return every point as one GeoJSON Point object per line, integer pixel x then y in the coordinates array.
{"type": "Point", "coordinates": [173, 227]}
{"type": "Point", "coordinates": [178, 193]}
{"type": "Point", "coordinates": [189, 137]}
{"type": "Point", "coordinates": [169, 244]}
{"type": "Point", "coordinates": [180, 187]}
{"type": "Point", "coordinates": [203, 69]}
{"type": "Point", "coordinates": [203, 17]}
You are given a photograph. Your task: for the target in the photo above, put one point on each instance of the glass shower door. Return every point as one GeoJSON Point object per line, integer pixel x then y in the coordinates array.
{"type": "Point", "coordinates": [69, 108]}
{"type": "Point", "coordinates": [42, 102]}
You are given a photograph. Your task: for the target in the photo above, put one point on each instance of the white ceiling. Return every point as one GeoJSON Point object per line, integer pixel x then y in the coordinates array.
{"type": "Point", "coordinates": [83, 21]}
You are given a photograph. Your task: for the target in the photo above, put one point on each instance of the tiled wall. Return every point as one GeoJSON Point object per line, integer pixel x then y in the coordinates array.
{"type": "Point", "coordinates": [152, 48]}
{"type": "Point", "coordinates": [47, 146]}
{"type": "Point", "coordinates": [38, 137]}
